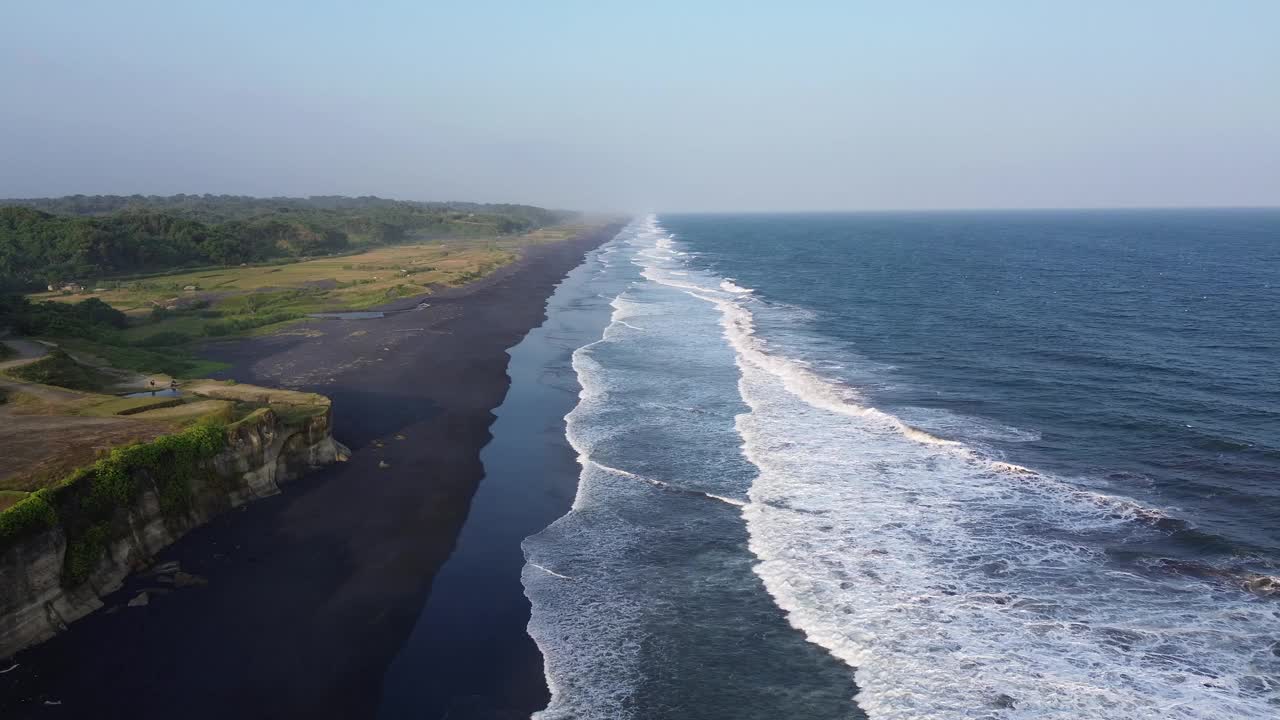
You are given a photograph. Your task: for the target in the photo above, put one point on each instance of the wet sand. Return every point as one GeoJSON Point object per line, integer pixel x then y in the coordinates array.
{"type": "Point", "coordinates": [470, 655]}
{"type": "Point", "coordinates": [312, 593]}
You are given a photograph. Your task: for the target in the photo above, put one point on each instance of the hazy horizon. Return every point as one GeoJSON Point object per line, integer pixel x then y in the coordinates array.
{"type": "Point", "coordinates": [820, 107]}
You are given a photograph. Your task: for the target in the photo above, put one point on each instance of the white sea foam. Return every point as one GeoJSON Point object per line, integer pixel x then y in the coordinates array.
{"type": "Point", "coordinates": [959, 585]}
{"type": "Point", "coordinates": [728, 500]}
{"type": "Point", "coordinates": [589, 661]}
{"type": "Point", "coordinates": [589, 600]}
{"type": "Point", "coordinates": [550, 572]}
{"type": "Point", "coordinates": [945, 423]}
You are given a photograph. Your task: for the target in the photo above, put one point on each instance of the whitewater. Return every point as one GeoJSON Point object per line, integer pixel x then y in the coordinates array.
{"type": "Point", "coordinates": [949, 582]}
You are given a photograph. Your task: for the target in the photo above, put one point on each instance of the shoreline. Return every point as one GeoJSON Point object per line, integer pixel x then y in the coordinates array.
{"type": "Point", "coordinates": [471, 654]}
{"type": "Point", "coordinates": [311, 593]}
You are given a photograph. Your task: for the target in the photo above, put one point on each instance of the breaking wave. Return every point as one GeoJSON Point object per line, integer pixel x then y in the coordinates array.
{"type": "Point", "coordinates": [960, 585]}
{"type": "Point", "coordinates": [947, 580]}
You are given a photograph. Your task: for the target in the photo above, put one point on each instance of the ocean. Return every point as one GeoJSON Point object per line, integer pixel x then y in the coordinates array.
{"type": "Point", "coordinates": [922, 465]}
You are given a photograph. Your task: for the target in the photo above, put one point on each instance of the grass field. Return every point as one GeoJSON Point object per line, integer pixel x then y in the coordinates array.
{"type": "Point", "coordinates": [181, 307]}
{"type": "Point", "coordinates": [171, 314]}
{"type": "Point", "coordinates": [83, 425]}
{"type": "Point", "coordinates": [9, 497]}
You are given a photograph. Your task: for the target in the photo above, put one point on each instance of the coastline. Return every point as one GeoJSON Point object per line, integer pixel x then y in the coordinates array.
{"type": "Point", "coordinates": [470, 654]}
{"type": "Point", "coordinates": [311, 593]}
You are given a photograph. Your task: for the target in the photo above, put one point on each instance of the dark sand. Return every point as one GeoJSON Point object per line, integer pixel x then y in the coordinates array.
{"type": "Point", "coordinates": [470, 656]}
{"type": "Point", "coordinates": [311, 593]}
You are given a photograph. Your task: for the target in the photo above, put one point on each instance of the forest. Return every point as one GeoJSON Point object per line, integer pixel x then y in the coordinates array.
{"type": "Point", "coordinates": [78, 238]}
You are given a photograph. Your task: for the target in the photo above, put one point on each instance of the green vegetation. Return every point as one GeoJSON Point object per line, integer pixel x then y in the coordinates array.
{"type": "Point", "coordinates": [92, 327]}
{"type": "Point", "coordinates": [92, 318]}
{"type": "Point", "coordinates": [256, 269]}
{"type": "Point", "coordinates": [57, 368]}
{"type": "Point", "coordinates": [9, 498]}
{"type": "Point", "coordinates": [85, 503]}
{"type": "Point", "coordinates": [296, 415]}
{"type": "Point", "coordinates": [176, 361]}
{"type": "Point", "coordinates": [151, 325]}
{"type": "Point", "coordinates": [130, 405]}
{"type": "Point", "coordinates": [57, 241]}
{"type": "Point", "coordinates": [6, 352]}
{"type": "Point", "coordinates": [28, 516]}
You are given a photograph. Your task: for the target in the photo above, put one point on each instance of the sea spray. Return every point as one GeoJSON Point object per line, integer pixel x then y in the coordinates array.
{"type": "Point", "coordinates": [644, 601]}
{"type": "Point", "coordinates": [959, 585]}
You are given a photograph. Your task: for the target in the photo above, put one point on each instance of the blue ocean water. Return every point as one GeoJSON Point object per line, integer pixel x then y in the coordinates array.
{"type": "Point", "coordinates": [932, 465]}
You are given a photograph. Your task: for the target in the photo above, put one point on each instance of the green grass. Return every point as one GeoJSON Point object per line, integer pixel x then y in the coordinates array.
{"type": "Point", "coordinates": [175, 362]}
{"type": "Point", "coordinates": [9, 498]}
{"type": "Point", "coordinates": [191, 326]}
{"type": "Point", "coordinates": [27, 516]}
{"type": "Point", "coordinates": [368, 273]}
{"type": "Point", "coordinates": [6, 352]}
{"type": "Point", "coordinates": [130, 406]}
{"type": "Point", "coordinates": [297, 414]}
{"type": "Point", "coordinates": [168, 323]}
{"type": "Point", "coordinates": [57, 368]}
{"type": "Point", "coordinates": [86, 502]}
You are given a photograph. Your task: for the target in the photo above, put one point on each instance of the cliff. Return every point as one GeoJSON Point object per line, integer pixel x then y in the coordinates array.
{"type": "Point", "coordinates": [63, 548]}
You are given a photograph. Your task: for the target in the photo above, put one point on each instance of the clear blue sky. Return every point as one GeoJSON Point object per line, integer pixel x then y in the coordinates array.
{"type": "Point", "coordinates": [649, 105]}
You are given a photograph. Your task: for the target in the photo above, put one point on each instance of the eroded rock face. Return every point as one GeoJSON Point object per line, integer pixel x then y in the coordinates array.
{"type": "Point", "coordinates": [259, 457]}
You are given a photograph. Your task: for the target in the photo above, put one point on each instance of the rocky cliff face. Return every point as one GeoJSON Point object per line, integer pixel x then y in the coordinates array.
{"type": "Point", "coordinates": [262, 452]}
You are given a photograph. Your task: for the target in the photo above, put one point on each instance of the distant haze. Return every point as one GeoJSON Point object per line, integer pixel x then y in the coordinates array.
{"type": "Point", "coordinates": [669, 105]}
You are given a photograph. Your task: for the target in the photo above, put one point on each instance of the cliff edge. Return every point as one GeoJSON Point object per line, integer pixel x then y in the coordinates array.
{"type": "Point", "coordinates": [64, 547]}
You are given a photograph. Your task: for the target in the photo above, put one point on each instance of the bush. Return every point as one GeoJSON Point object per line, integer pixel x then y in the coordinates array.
{"type": "Point", "coordinates": [241, 324]}
{"type": "Point", "coordinates": [86, 502]}
{"type": "Point", "coordinates": [169, 461]}
{"type": "Point", "coordinates": [90, 318]}
{"type": "Point", "coordinates": [28, 516]}
{"type": "Point", "coordinates": [166, 338]}
{"type": "Point", "coordinates": [57, 368]}
{"type": "Point", "coordinates": [170, 361]}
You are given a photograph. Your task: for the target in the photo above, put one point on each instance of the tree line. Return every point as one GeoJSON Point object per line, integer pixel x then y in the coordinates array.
{"type": "Point", "coordinates": [54, 240]}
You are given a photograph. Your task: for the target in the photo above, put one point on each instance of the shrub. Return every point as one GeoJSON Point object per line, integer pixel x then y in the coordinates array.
{"type": "Point", "coordinates": [58, 368]}
{"type": "Point", "coordinates": [29, 515]}
{"type": "Point", "coordinates": [241, 324]}
{"type": "Point", "coordinates": [89, 498]}
{"type": "Point", "coordinates": [84, 553]}
{"type": "Point", "coordinates": [165, 338]}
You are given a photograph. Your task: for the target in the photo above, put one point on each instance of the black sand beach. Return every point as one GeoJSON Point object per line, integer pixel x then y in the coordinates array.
{"type": "Point", "coordinates": [470, 654]}
{"type": "Point", "coordinates": [312, 593]}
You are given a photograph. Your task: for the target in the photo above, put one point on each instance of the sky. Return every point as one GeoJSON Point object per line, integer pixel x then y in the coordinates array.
{"type": "Point", "coordinates": [667, 105]}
